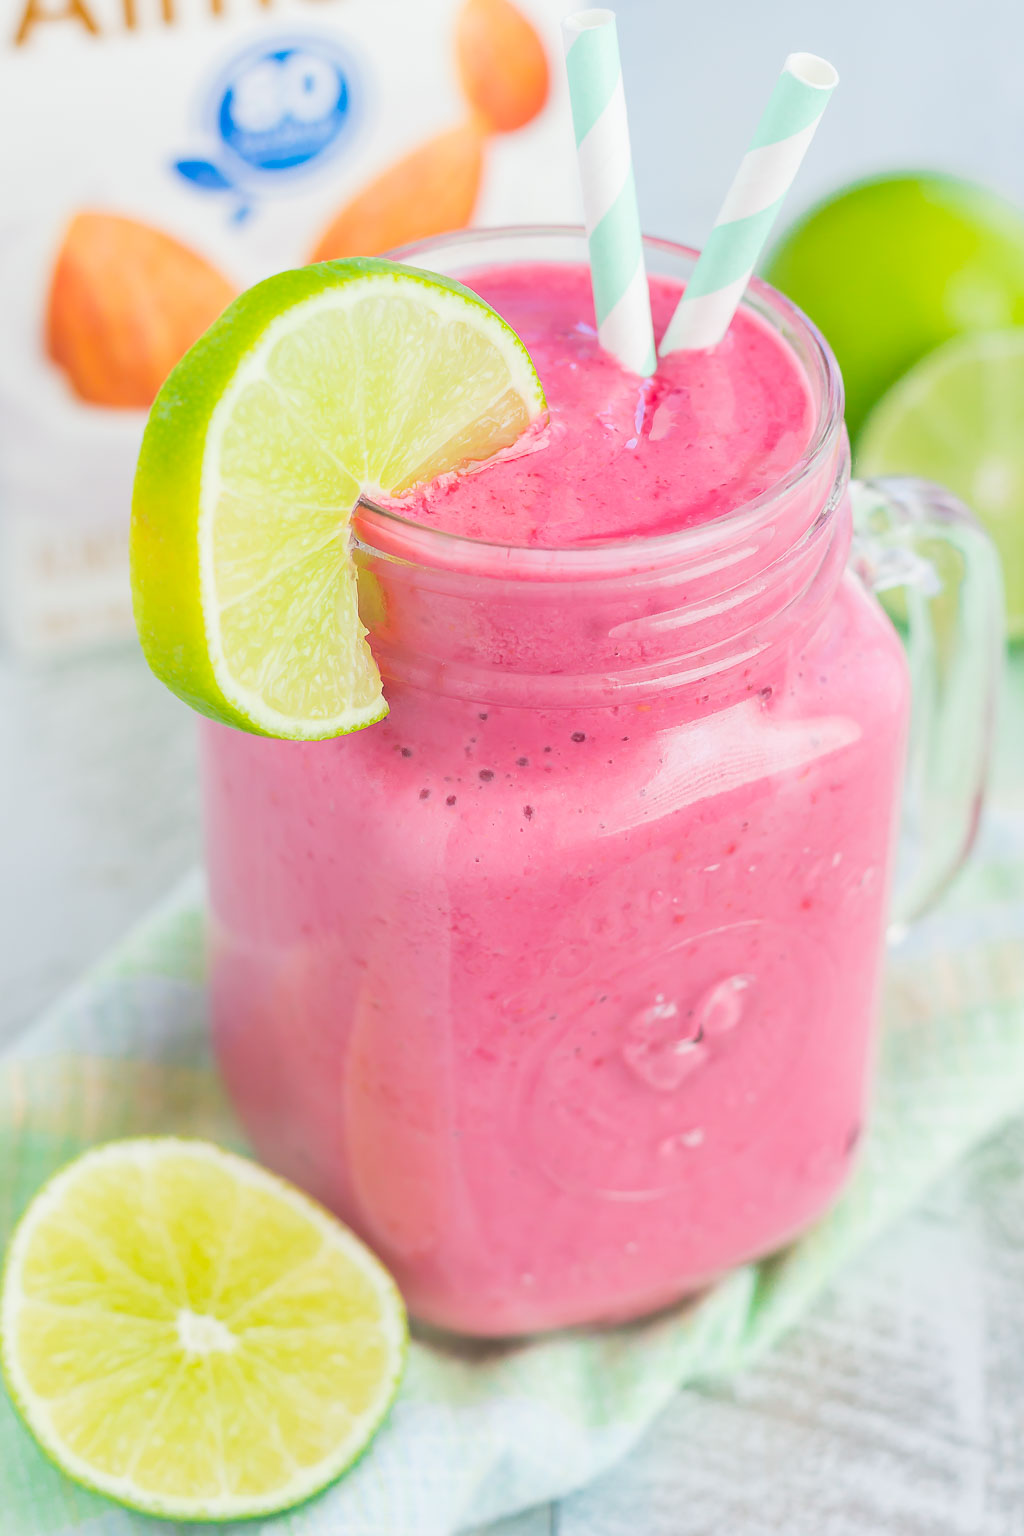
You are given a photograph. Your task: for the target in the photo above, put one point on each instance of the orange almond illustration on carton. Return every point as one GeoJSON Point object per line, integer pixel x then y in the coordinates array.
{"type": "Point", "coordinates": [502, 65]}
{"type": "Point", "coordinates": [126, 302]}
{"type": "Point", "coordinates": [429, 191]}
{"type": "Point", "coordinates": [503, 71]}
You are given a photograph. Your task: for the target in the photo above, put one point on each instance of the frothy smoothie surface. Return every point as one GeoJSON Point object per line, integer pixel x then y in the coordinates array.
{"type": "Point", "coordinates": [623, 456]}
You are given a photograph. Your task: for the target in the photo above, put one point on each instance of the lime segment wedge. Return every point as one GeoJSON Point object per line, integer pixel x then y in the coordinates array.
{"type": "Point", "coordinates": [191, 1336]}
{"type": "Point", "coordinates": [313, 388]}
{"type": "Point", "coordinates": [955, 418]}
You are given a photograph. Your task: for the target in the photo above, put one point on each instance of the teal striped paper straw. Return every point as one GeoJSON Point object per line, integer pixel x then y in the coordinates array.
{"type": "Point", "coordinates": [622, 302]}
{"type": "Point", "coordinates": [766, 173]}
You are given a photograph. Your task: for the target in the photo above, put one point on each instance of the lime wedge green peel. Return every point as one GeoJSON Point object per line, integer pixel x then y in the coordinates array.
{"type": "Point", "coordinates": [191, 1336]}
{"type": "Point", "coordinates": [956, 418]}
{"type": "Point", "coordinates": [894, 266]}
{"type": "Point", "coordinates": [312, 389]}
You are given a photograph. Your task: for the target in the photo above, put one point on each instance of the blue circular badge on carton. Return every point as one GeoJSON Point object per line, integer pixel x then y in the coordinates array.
{"type": "Point", "coordinates": [283, 107]}
{"type": "Point", "coordinates": [280, 108]}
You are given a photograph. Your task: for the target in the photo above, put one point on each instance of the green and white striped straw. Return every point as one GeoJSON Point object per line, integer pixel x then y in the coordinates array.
{"type": "Point", "coordinates": [622, 302]}
{"type": "Point", "coordinates": [766, 173]}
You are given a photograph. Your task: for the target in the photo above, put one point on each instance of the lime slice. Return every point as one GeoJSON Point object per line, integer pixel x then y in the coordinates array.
{"type": "Point", "coordinates": [955, 418]}
{"type": "Point", "coordinates": [313, 388]}
{"type": "Point", "coordinates": [189, 1335]}
{"type": "Point", "coordinates": [892, 267]}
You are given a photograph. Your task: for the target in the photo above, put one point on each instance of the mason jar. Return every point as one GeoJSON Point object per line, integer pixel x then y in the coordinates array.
{"type": "Point", "coordinates": [561, 984]}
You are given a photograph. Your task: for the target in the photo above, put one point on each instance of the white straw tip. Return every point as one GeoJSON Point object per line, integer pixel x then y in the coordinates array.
{"type": "Point", "coordinates": [812, 71]}
{"type": "Point", "coordinates": [587, 21]}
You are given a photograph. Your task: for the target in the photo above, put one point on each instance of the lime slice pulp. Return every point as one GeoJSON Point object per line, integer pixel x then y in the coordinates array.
{"type": "Point", "coordinates": [191, 1336]}
{"type": "Point", "coordinates": [955, 418]}
{"type": "Point", "coordinates": [313, 388]}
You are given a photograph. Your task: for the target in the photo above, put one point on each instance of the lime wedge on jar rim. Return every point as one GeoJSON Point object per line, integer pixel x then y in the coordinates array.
{"type": "Point", "coordinates": [313, 388]}
{"type": "Point", "coordinates": [191, 1336]}
{"type": "Point", "coordinates": [955, 418]}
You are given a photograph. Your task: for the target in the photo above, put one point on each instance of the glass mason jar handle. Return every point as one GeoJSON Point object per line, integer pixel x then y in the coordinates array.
{"type": "Point", "coordinates": [937, 572]}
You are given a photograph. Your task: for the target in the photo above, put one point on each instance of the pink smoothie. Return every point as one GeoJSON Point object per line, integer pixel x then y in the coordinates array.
{"type": "Point", "coordinates": [559, 984]}
{"type": "Point", "coordinates": [624, 456]}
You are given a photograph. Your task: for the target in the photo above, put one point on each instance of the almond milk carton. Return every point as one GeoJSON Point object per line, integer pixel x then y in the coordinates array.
{"type": "Point", "coordinates": [161, 155]}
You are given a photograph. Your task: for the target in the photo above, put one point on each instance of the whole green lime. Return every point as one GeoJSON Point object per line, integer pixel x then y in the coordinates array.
{"type": "Point", "coordinates": [892, 267]}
